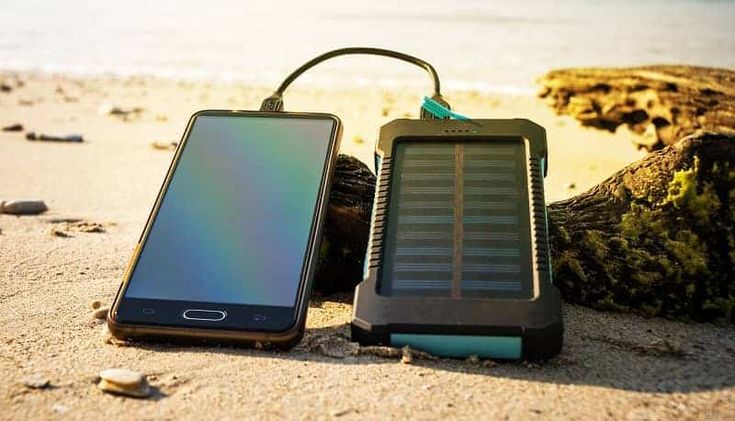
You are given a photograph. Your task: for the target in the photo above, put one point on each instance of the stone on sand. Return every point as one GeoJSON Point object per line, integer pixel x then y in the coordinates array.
{"type": "Point", "coordinates": [164, 145]}
{"type": "Point", "coordinates": [109, 109]}
{"type": "Point", "coordinates": [23, 207]}
{"type": "Point", "coordinates": [59, 408]}
{"type": "Point", "coordinates": [85, 226]}
{"type": "Point", "coordinates": [72, 138]}
{"type": "Point", "coordinates": [36, 381]}
{"type": "Point", "coordinates": [100, 313]}
{"type": "Point", "coordinates": [13, 128]}
{"type": "Point", "coordinates": [126, 382]}
{"type": "Point", "coordinates": [59, 233]}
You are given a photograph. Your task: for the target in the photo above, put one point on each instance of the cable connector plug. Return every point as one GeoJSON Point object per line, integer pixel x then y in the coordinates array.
{"type": "Point", "coordinates": [272, 103]}
{"type": "Point", "coordinates": [436, 108]}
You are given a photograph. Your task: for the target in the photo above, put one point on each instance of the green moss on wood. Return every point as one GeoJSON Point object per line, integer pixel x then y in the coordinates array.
{"type": "Point", "coordinates": [685, 194]}
{"type": "Point", "coordinates": [670, 254]}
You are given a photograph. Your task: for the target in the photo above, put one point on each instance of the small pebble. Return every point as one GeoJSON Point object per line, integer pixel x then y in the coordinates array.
{"type": "Point", "coordinates": [60, 408]}
{"type": "Point", "coordinates": [23, 207]}
{"type": "Point", "coordinates": [5, 87]}
{"type": "Point", "coordinates": [564, 360]}
{"type": "Point", "coordinates": [36, 381]}
{"type": "Point", "coordinates": [95, 304]}
{"type": "Point", "coordinates": [122, 377]}
{"type": "Point", "coordinates": [100, 313]}
{"type": "Point", "coordinates": [59, 233]}
{"type": "Point", "coordinates": [88, 227]}
{"type": "Point", "coordinates": [341, 412]}
{"type": "Point", "coordinates": [473, 359]}
{"type": "Point", "coordinates": [124, 382]}
{"type": "Point", "coordinates": [109, 109]}
{"type": "Point", "coordinates": [571, 185]}
{"type": "Point", "coordinates": [380, 351]}
{"type": "Point", "coordinates": [489, 363]}
{"type": "Point", "coordinates": [135, 392]}
{"type": "Point", "coordinates": [660, 349]}
{"type": "Point", "coordinates": [73, 138]}
{"type": "Point", "coordinates": [13, 128]}
{"type": "Point", "coordinates": [164, 145]}
{"type": "Point", "coordinates": [407, 358]}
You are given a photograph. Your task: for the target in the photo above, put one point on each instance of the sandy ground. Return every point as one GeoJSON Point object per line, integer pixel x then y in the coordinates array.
{"type": "Point", "coordinates": [607, 369]}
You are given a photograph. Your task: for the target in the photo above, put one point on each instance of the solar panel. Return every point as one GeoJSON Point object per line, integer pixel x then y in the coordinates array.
{"type": "Point", "coordinates": [458, 220]}
{"type": "Point", "coordinates": [458, 258]}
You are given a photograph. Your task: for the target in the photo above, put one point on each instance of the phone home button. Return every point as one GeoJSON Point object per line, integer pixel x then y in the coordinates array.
{"type": "Point", "coordinates": [204, 315]}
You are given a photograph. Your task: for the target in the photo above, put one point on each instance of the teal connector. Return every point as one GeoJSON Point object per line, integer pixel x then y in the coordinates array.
{"type": "Point", "coordinates": [440, 111]}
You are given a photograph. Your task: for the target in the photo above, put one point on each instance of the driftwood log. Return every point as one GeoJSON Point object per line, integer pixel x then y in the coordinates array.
{"type": "Point", "coordinates": [346, 228]}
{"type": "Point", "coordinates": [661, 103]}
{"type": "Point", "coordinates": [657, 238]}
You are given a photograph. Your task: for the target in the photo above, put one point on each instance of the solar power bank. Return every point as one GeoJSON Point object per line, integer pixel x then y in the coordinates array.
{"type": "Point", "coordinates": [458, 261]}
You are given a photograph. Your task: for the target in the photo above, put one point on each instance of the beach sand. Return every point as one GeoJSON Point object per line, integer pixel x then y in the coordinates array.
{"type": "Point", "coordinates": [608, 368]}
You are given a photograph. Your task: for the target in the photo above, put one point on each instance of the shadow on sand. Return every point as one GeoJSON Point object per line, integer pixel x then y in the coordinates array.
{"type": "Point", "coordinates": [601, 349]}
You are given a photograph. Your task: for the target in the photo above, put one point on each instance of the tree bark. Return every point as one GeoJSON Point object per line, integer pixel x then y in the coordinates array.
{"type": "Point", "coordinates": [657, 238]}
{"type": "Point", "coordinates": [662, 103]}
{"type": "Point", "coordinates": [346, 228]}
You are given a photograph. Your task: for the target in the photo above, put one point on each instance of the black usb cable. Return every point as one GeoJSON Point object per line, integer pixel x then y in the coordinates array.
{"type": "Point", "coordinates": [275, 101]}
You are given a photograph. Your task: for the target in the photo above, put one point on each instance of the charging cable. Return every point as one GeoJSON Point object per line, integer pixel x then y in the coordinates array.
{"type": "Point", "coordinates": [275, 101]}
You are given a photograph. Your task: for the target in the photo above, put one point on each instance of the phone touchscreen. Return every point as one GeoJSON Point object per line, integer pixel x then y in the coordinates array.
{"type": "Point", "coordinates": [234, 224]}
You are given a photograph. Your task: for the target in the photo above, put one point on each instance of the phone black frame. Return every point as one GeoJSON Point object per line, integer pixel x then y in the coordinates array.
{"type": "Point", "coordinates": [280, 327]}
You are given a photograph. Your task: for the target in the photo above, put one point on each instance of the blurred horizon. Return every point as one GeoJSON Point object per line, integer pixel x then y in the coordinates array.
{"type": "Point", "coordinates": [489, 46]}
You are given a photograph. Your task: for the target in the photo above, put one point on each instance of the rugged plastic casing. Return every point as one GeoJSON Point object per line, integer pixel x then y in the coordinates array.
{"type": "Point", "coordinates": [458, 327]}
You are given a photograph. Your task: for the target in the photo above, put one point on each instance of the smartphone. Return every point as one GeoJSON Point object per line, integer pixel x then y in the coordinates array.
{"type": "Point", "coordinates": [230, 248]}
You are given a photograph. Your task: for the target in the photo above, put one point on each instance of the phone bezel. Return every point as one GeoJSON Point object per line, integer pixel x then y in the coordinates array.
{"type": "Point", "coordinates": [242, 332]}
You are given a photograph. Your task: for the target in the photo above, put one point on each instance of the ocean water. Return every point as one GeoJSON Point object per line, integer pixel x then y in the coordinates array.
{"type": "Point", "coordinates": [493, 46]}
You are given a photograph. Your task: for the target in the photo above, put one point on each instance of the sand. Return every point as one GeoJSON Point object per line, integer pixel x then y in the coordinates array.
{"type": "Point", "coordinates": [607, 369]}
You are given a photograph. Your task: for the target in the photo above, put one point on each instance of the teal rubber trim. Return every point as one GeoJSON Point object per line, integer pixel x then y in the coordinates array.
{"type": "Point", "coordinates": [546, 226]}
{"type": "Point", "coordinates": [461, 346]}
{"type": "Point", "coordinates": [440, 111]}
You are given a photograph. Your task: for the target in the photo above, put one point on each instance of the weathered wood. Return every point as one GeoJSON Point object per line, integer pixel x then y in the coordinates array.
{"type": "Point", "coordinates": [346, 228]}
{"type": "Point", "coordinates": [662, 103]}
{"type": "Point", "coordinates": [657, 238]}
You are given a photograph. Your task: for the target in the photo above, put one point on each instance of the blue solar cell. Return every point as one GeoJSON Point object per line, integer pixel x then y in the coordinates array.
{"type": "Point", "coordinates": [458, 222]}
